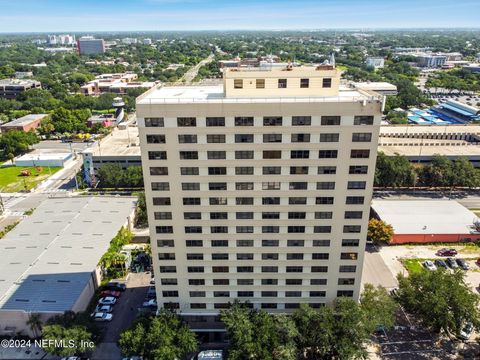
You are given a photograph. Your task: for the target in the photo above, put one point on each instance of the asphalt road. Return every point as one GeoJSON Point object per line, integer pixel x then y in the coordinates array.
{"type": "Point", "coordinates": [190, 74]}
{"type": "Point", "coordinates": [124, 314]}
{"type": "Point", "coordinates": [467, 199]}
{"type": "Point", "coordinates": [375, 271]}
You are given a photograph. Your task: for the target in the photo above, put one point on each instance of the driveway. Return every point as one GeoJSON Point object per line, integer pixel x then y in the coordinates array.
{"type": "Point", "coordinates": [375, 271]}
{"type": "Point", "coordinates": [124, 314]}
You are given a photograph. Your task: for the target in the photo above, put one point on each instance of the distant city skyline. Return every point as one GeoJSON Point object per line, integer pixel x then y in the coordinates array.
{"type": "Point", "coordinates": [157, 15]}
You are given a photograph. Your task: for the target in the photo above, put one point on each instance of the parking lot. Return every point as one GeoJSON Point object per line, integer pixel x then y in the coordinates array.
{"type": "Point", "coordinates": [124, 313]}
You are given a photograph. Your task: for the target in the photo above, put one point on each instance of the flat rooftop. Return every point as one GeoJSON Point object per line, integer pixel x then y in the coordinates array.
{"type": "Point", "coordinates": [25, 120]}
{"type": "Point", "coordinates": [429, 129]}
{"type": "Point", "coordinates": [425, 216]}
{"type": "Point", "coordinates": [45, 156]}
{"type": "Point", "coordinates": [49, 257]}
{"type": "Point", "coordinates": [215, 94]}
{"type": "Point", "coordinates": [119, 143]}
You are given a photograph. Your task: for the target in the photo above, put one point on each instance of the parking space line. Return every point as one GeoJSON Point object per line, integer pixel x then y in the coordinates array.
{"type": "Point", "coordinates": [412, 352]}
{"type": "Point", "coordinates": [405, 342]}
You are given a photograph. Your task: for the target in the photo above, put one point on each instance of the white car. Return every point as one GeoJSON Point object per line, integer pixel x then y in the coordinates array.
{"type": "Point", "coordinates": [99, 316]}
{"type": "Point", "coordinates": [104, 308]}
{"type": "Point", "coordinates": [429, 265]}
{"type": "Point", "coordinates": [108, 300]}
{"type": "Point", "coordinates": [150, 303]}
{"type": "Point", "coordinates": [466, 331]}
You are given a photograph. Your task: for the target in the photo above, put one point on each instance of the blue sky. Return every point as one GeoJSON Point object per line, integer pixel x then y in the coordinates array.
{"type": "Point", "coordinates": [132, 15]}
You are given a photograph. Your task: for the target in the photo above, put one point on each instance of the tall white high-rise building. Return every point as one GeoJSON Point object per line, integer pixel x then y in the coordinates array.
{"type": "Point", "coordinates": [258, 190]}
{"type": "Point", "coordinates": [88, 45]}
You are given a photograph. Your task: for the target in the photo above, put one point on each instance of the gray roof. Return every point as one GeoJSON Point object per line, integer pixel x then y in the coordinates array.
{"type": "Point", "coordinates": [25, 120]}
{"type": "Point", "coordinates": [48, 259]}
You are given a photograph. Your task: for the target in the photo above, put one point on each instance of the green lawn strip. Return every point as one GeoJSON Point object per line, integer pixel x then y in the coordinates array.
{"type": "Point", "coordinates": [416, 265]}
{"type": "Point", "coordinates": [11, 181]}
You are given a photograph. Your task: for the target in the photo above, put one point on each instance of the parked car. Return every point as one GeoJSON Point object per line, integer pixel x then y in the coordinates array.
{"type": "Point", "coordinates": [208, 355]}
{"type": "Point", "coordinates": [104, 308]}
{"type": "Point", "coordinates": [466, 331]}
{"type": "Point", "coordinates": [99, 316]}
{"type": "Point", "coordinates": [429, 265]}
{"type": "Point", "coordinates": [463, 264]}
{"type": "Point", "coordinates": [112, 293]}
{"type": "Point", "coordinates": [152, 282]}
{"type": "Point", "coordinates": [108, 300]}
{"type": "Point", "coordinates": [152, 303]}
{"type": "Point", "coordinates": [452, 263]}
{"type": "Point", "coordinates": [151, 293]}
{"type": "Point", "coordinates": [440, 263]}
{"type": "Point", "coordinates": [115, 286]}
{"type": "Point", "coordinates": [446, 252]}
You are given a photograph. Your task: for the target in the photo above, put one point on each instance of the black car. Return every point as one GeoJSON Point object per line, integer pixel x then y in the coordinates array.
{"type": "Point", "coordinates": [452, 263]}
{"type": "Point", "coordinates": [115, 286]}
{"type": "Point", "coordinates": [463, 264]}
{"type": "Point", "coordinates": [440, 263]}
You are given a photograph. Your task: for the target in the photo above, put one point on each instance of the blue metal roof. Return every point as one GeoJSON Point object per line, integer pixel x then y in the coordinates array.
{"type": "Point", "coordinates": [457, 110]}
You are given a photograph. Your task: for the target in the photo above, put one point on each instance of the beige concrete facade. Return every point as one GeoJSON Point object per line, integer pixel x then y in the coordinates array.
{"type": "Point", "coordinates": [290, 243]}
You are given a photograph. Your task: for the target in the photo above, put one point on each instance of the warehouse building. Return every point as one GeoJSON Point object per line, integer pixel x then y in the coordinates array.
{"type": "Point", "coordinates": [50, 260]}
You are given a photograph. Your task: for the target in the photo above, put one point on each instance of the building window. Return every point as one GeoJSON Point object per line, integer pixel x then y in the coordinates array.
{"type": "Point", "coordinates": [327, 82]}
{"type": "Point", "coordinates": [215, 121]}
{"type": "Point", "coordinates": [194, 256]}
{"type": "Point", "coordinates": [324, 200]}
{"type": "Point", "coordinates": [154, 122]}
{"type": "Point", "coordinates": [168, 269]}
{"type": "Point", "coordinates": [350, 242]}
{"type": "Point", "coordinates": [192, 215]}
{"type": "Point", "coordinates": [297, 201]}
{"type": "Point", "coordinates": [298, 185]}
{"type": "Point", "coordinates": [320, 256]}
{"type": "Point", "coordinates": [272, 138]}
{"type": "Point", "coordinates": [219, 243]}
{"type": "Point", "coordinates": [157, 155]}
{"type": "Point", "coordinates": [161, 201]}
{"type": "Point", "coordinates": [221, 294]}
{"type": "Point", "coordinates": [269, 256]}
{"type": "Point", "coordinates": [270, 229]}
{"type": "Point", "coordinates": [272, 121]}
{"type": "Point", "coordinates": [317, 293]}
{"type": "Point", "coordinates": [160, 186]}
{"type": "Point", "coordinates": [221, 256]}
{"type": "Point", "coordinates": [269, 269]}
{"type": "Point", "coordinates": [217, 171]}
{"type": "Point", "coordinates": [244, 121]}
{"type": "Point", "coordinates": [244, 186]}
{"type": "Point", "coordinates": [329, 137]}
{"type": "Point", "coordinates": [358, 169]}
{"type": "Point", "coordinates": [218, 216]}
{"type": "Point", "coordinates": [300, 138]}
{"type": "Point", "coordinates": [318, 281]}
{"type": "Point", "coordinates": [193, 229]}
{"type": "Point", "coordinates": [270, 185]}
{"type": "Point", "coordinates": [330, 120]}
{"type": "Point", "coordinates": [293, 281]}
{"type": "Point", "coordinates": [294, 269]}
{"type": "Point", "coordinates": [244, 256]}
{"type": "Point", "coordinates": [296, 243]}
{"type": "Point", "coordinates": [196, 282]}
{"type": "Point", "coordinates": [190, 186]}
{"type": "Point", "coordinates": [191, 201]}
{"type": "Point", "coordinates": [186, 121]}
{"type": "Point", "coordinates": [327, 170]}
{"type": "Point", "coordinates": [363, 120]}
{"type": "Point", "coordinates": [324, 229]}
{"type": "Point", "coordinates": [272, 154]}
{"type": "Point", "coordinates": [245, 269]}
{"type": "Point", "coordinates": [245, 154]}
{"type": "Point", "coordinates": [218, 201]}
{"type": "Point", "coordinates": [221, 282]}
{"type": "Point", "coordinates": [346, 281]}
{"type": "Point", "coordinates": [345, 293]}
{"type": "Point", "coordinates": [189, 171]}
{"type": "Point", "coordinates": [194, 243]}
{"type": "Point", "coordinates": [271, 170]}
{"type": "Point", "coordinates": [238, 83]}
{"type": "Point", "coordinates": [217, 186]}
{"type": "Point", "coordinates": [298, 170]}
{"type": "Point", "coordinates": [269, 293]}
{"type": "Point", "coordinates": [244, 243]}
{"type": "Point", "coordinates": [355, 200]}
{"type": "Point", "coordinates": [268, 243]}
{"type": "Point", "coordinates": [299, 154]}
{"type": "Point", "coordinates": [270, 215]}
{"type": "Point", "coordinates": [361, 137]}
{"type": "Point", "coordinates": [353, 214]}
{"type": "Point", "coordinates": [282, 83]}
{"type": "Point", "coordinates": [189, 155]}
{"type": "Point", "coordinates": [304, 83]}
{"type": "Point", "coordinates": [260, 83]}
{"type": "Point", "coordinates": [164, 229]}
{"type": "Point", "coordinates": [170, 293]}
{"type": "Point", "coordinates": [296, 215]}
{"type": "Point", "coordinates": [165, 243]}
{"type": "Point", "coordinates": [197, 293]}
{"type": "Point", "coordinates": [244, 138]}
{"type": "Point", "coordinates": [187, 139]}
{"type": "Point", "coordinates": [295, 256]}
{"type": "Point", "coordinates": [168, 281]}
{"type": "Point", "coordinates": [219, 229]}
{"type": "Point", "coordinates": [215, 138]}
{"type": "Point", "coordinates": [323, 215]}
{"type": "Point", "coordinates": [326, 185]}
{"type": "Point", "coordinates": [244, 170]}
{"type": "Point", "coordinates": [155, 139]}
{"type": "Point", "coordinates": [198, 306]}
{"type": "Point", "coordinates": [301, 120]}
{"type": "Point", "coordinates": [351, 229]}
{"type": "Point", "coordinates": [195, 269]}
{"type": "Point", "coordinates": [244, 229]}
{"type": "Point", "coordinates": [321, 243]}
{"type": "Point", "coordinates": [216, 155]}
{"type": "Point", "coordinates": [327, 154]}
{"type": "Point", "coordinates": [319, 269]}
{"type": "Point", "coordinates": [356, 185]}
{"type": "Point", "coordinates": [154, 171]}
{"type": "Point", "coordinates": [245, 293]}
{"type": "Point", "coordinates": [347, 268]}
{"type": "Point", "coordinates": [296, 229]}
{"type": "Point", "coordinates": [360, 154]}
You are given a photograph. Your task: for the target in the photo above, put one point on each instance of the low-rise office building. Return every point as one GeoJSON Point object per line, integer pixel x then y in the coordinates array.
{"type": "Point", "coordinates": [11, 88]}
{"type": "Point", "coordinates": [375, 62]}
{"type": "Point", "coordinates": [88, 45]}
{"type": "Point", "coordinates": [25, 123]}
{"type": "Point", "coordinates": [118, 83]}
{"type": "Point", "coordinates": [50, 260]}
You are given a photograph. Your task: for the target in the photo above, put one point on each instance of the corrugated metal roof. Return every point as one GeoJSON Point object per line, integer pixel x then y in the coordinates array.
{"type": "Point", "coordinates": [47, 260]}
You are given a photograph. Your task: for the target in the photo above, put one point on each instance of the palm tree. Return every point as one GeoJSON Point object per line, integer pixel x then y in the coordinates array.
{"type": "Point", "coordinates": [35, 324]}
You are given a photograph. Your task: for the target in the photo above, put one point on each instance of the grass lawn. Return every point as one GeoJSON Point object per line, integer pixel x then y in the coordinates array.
{"type": "Point", "coordinates": [11, 181]}
{"type": "Point", "coordinates": [413, 265]}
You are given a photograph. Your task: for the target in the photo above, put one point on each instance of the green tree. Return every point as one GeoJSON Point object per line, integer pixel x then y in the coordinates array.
{"type": "Point", "coordinates": [379, 305]}
{"type": "Point", "coordinates": [393, 171]}
{"type": "Point", "coordinates": [133, 176]}
{"type": "Point", "coordinates": [76, 335]}
{"type": "Point", "coordinates": [379, 232]}
{"type": "Point", "coordinates": [161, 337]}
{"type": "Point", "coordinates": [17, 142]}
{"type": "Point", "coordinates": [464, 174]}
{"type": "Point", "coordinates": [111, 176]}
{"type": "Point", "coordinates": [141, 219]}
{"type": "Point", "coordinates": [440, 299]}
{"type": "Point", "coordinates": [439, 172]}
{"type": "Point", "coordinates": [35, 324]}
